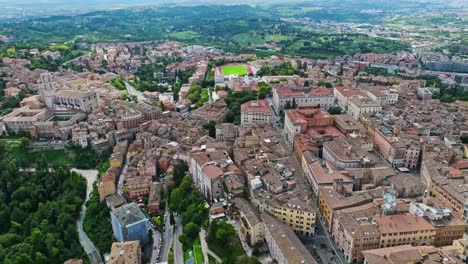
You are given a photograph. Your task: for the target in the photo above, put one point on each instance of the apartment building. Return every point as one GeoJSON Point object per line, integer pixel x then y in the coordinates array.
{"type": "Point", "coordinates": [251, 223]}
{"type": "Point", "coordinates": [125, 253]}
{"type": "Point", "coordinates": [293, 210]}
{"type": "Point", "coordinates": [256, 112]}
{"type": "Point", "coordinates": [321, 173]}
{"type": "Point", "coordinates": [354, 231]}
{"type": "Point", "coordinates": [358, 106]}
{"type": "Point", "coordinates": [330, 201]}
{"type": "Point", "coordinates": [129, 223]}
{"type": "Point", "coordinates": [209, 169]}
{"type": "Point", "coordinates": [346, 153]}
{"type": "Point", "coordinates": [343, 94]}
{"type": "Point", "coordinates": [396, 230]}
{"type": "Point", "coordinates": [319, 96]}
{"type": "Point", "coordinates": [285, 247]}
{"type": "Point", "coordinates": [299, 120]}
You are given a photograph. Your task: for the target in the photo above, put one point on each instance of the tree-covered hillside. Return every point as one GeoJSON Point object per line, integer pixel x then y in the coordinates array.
{"type": "Point", "coordinates": [38, 210]}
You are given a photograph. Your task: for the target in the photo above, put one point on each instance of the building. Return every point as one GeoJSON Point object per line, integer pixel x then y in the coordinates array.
{"type": "Point", "coordinates": [425, 93]}
{"type": "Point", "coordinates": [154, 200]}
{"type": "Point", "coordinates": [284, 246]}
{"type": "Point", "coordinates": [319, 96]}
{"type": "Point", "coordinates": [256, 112]}
{"type": "Point", "coordinates": [345, 154]}
{"type": "Point", "coordinates": [354, 231]}
{"type": "Point", "coordinates": [125, 253]}
{"type": "Point", "coordinates": [321, 173]}
{"type": "Point", "coordinates": [396, 230]}
{"type": "Point", "coordinates": [449, 227]}
{"type": "Point", "coordinates": [106, 186]}
{"type": "Point", "coordinates": [253, 229]}
{"type": "Point", "coordinates": [358, 106]}
{"type": "Point", "coordinates": [226, 132]}
{"type": "Point", "coordinates": [293, 210]}
{"type": "Point", "coordinates": [343, 95]}
{"type": "Point", "coordinates": [84, 101]}
{"type": "Point", "coordinates": [129, 223]}
{"type": "Point", "coordinates": [297, 121]}
{"type": "Point", "coordinates": [408, 254]}
{"type": "Point", "coordinates": [209, 169]}
{"type": "Point", "coordinates": [330, 201]}
{"type": "Point", "coordinates": [347, 124]}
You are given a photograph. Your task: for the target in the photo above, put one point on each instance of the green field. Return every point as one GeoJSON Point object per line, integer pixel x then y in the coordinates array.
{"type": "Point", "coordinates": [184, 35]}
{"type": "Point", "coordinates": [197, 253]}
{"type": "Point", "coordinates": [234, 69]}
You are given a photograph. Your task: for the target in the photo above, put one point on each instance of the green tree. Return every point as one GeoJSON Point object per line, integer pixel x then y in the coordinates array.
{"type": "Point", "coordinates": [179, 172]}
{"type": "Point", "coordinates": [335, 110]}
{"type": "Point", "coordinates": [211, 127]}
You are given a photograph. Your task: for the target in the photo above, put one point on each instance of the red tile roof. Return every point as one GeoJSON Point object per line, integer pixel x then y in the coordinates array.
{"type": "Point", "coordinates": [256, 106]}
{"type": "Point", "coordinates": [212, 171]}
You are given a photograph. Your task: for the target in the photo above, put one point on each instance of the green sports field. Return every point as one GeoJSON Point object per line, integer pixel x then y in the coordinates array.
{"type": "Point", "coordinates": [234, 69]}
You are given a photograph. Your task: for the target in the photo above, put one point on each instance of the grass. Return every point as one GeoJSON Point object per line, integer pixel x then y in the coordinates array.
{"type": "Point", "coordinates": [234, 69]}
{"type": "Point", "coordinates": [52, 156]}
{"type": "Point", "coordinates": [227, 253]}
{"type": "Point", "coordinates": [197, 252]}
{"type": "Point", "coordinates": [184, 35]}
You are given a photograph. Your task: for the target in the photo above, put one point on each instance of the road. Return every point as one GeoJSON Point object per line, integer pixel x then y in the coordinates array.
{"type": "Point", "coordinates": [88, 246]}
{"type": "Point", "coordinates": [178, 251]}
{"type": "Point", "coordinates": [75, 59]}
{"type": "Point", "coordinates": [156, 249]}
{"type": "Point", "coordinates": [321, 230]}
{"type": "Point", "coordinates": [122, 176]}
{"type": "Point", "coordinates": [205, 248]}
{"type": "Point", "coordinates": [133, 91]}
{"type": "Point", "coordinates": [203, 244]}
{"type": "Point", "coordinates": [167, 236]}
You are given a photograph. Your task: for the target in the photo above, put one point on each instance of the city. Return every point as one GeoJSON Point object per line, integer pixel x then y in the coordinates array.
{"type": "Point", "coordinates": [170, 150]}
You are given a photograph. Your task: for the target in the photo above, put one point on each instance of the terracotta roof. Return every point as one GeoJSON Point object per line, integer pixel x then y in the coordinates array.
{"type": "Point", "coordinates": [212, 171]}
{"type": "Point", "coordinates": [402, 223]}
{"type": "Point", "coordinates": [256, 106]}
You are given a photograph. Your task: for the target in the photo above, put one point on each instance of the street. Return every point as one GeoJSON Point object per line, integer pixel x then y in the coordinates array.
{"type": "Point", "coordinates": [86, 243]}
{"type": "Point", "coordinates": [132, 91]}
{"type": "Point", "coordinates": [178, 251]}
{"type": "Point", "coordinates": [156, 249]}
{"type": "Point", "coordinates": [322, 243]}
{"type": "Point", "coordinates": [167, 237]}
{"type": "Point", "coordinates": [122, 176]}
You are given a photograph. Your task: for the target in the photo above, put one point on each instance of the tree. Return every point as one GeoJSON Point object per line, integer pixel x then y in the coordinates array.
{"type": "Point", "coordinates": [288, 105]}
{"type": "Point", "coordinates": [230, 117]}
{"type": "Point", "coordinates": [335, 110]}
{"type": "Point", "coordinates": [179, 172]}
{"type": "Point", "coordinates": [211, 127]}
{"type": "Point", "coordinates": [24, 143]}
{"type": "Point", "coordinates": [326, 84]}
{"type": "Point", "coordinates": [171, 219]}
{"type": "Point", "coordinates": [464, 139]}
{"type": "Point", "coordinates": [248, 260]}
{"type": "Point", "coordinates": [294, 104]}
{"type": "Point", "coordinates": [189, 234]}
{"type": "Point", "coordinates": [306, 84]}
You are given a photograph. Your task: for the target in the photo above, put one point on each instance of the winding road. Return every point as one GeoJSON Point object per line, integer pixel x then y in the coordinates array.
{"type": "Point", "coordinates": [88, 246]}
